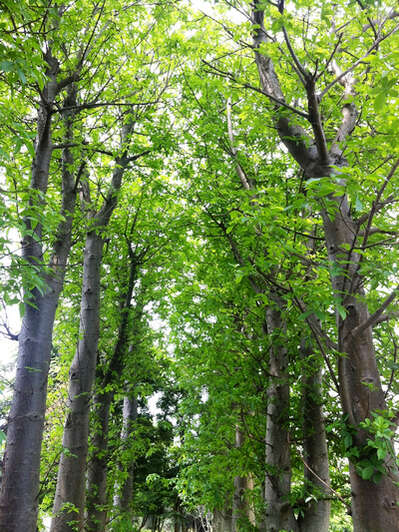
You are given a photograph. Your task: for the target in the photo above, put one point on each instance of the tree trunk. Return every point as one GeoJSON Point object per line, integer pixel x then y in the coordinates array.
{"type": "Point", "coordinates": [316, 467]}
{"type": "Point", "coordinates": [69, 499]}
{"type": "Point", "coordinates": [124, 497]}
{"type": "Point", "coordinates": [20, 483]}
{"type": "Point", "coordinates": [374, 504]}
{"type": "Point", "coordinates": [239, 503]}
{"type": "Point", "coordinates": [97, 471]}
{"type": "Point", "coordinates": [222, 520]}
{"type": "Point", "coordinates": [70, 493]}
{"type": "Point", "coordinates": [242, 512]}
{"type": "Point", "coordinates": [279, 514]}
{"type": "Point", "coordinates": [97, 468]}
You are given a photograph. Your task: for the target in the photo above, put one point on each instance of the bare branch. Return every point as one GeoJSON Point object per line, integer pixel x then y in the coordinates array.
{"type": "Point", "coordinates": [377, 314]}
{"type": "Point", "coordinates": [376, 202]}
{"type": "Point", "coordinates": [301, 72]}
{"type": "Point", "coordinates": [359, 61]}
{"type": "Point", "coordinates": [386, 317]}
{"type": "Point", "coordinates": [316, 121]}
{"type": "Point", "coordinates": [240, 171]}
{"type": "Point", "coordinates": [281, 103]}
{"type": "Point", "coordinates": [325, 484]}
{"type": "Point", "coordinates": [331, 58]}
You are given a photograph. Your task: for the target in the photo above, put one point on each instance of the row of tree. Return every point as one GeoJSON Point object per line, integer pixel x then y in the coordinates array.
{"type": "Point", "coordinates": [214, 197]}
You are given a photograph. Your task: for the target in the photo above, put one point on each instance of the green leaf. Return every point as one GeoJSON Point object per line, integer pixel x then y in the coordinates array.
{"type": "Point", "coordinates": [367, 472]}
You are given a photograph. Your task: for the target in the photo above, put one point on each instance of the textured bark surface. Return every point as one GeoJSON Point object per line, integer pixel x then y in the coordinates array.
{"type": "Point", "coordinates": [124, 495]}
{"type": "Point", "coordinates": [97, 468]}
{"type": "Point", "coordinates": [20, 483]}
{"type": "Point", "coordinates": [374, 505]}
{"type": "Point", "coordinates": [279, 514]}
{"type": "Point", "coordinates": [316, 467]}
{"type": "Point", "coordinates": [69, 499]}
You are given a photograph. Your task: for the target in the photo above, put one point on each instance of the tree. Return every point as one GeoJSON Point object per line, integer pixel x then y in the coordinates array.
{"type": "Point", "coordinates": [18, 506]}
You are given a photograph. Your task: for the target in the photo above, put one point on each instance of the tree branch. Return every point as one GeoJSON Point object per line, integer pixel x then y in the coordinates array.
{"type": "Point", "coordinates": [278, 101]}
{"type": "Point", "coordinates": [359, 61]}
{"type": "Point", "coordinates": [240, 171]}
{"type": "Point", "coordinates": [377, 314]}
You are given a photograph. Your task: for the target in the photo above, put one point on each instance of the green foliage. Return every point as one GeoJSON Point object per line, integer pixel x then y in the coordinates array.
{"type": "Point", "coordinates": [375, 457]}
{"type": "Point", "coordinates": [209, 254]}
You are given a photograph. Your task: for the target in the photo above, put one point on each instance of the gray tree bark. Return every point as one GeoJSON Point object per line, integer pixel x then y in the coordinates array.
{"type": "Point", "coordinates": [240, 508]}
{"type": "Point", "coordinates": [20, 483]}
{"type": "Point", "coordinates": [222, 520]}
{"type": "Point", "coordinates": [279, 514]}
{"type": "Point", "coordinates": [98, 465]}
{"type": "Point", "coordinates": [315, 453]}
{"type": "Point", "coordinates": [70, 493]}
{"type": "Point", "coordinates": [124, 495]}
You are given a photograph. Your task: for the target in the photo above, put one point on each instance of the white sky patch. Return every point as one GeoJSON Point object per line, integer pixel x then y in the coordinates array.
{"type": "Point", "coordinates": [212, 9]}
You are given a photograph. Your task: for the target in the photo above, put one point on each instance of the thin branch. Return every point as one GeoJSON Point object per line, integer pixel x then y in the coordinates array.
{"type": "Point", "coordinates": [357, 63]}
{"type": "Point", "coordinates": [347, 506]}
{"type": "Point", "coordinates": [138, 156]}
{"type": "Point", "coordinates": [83, 54]}
{"type": "Point", "coordinates": [377, 314]}
{"type": "Point", "coordinates": [395, 354]}
{"type": "Point", "coordinates": [387, 317]}
{"type": "Point", "coordinates": [391, 199]}
{"type": "Point", "coordinates": [301, 72]}
{"type": "Point", "coordinates": [316, 121]}
{"type": "Point", "coordinates": [240, 171]}
{"type": "Point", "coordinates": [330, 59]}
{"type": "Point", "coordinates": [103, 104]}
{"type": "Point", "coordinates": [322, 350]}
{"type": "Point", "coordinates": [8, 334]}
{"type": "Point", "coordinates": [256, 89]}
{"type": "Point", "coordinates": [377, 201]}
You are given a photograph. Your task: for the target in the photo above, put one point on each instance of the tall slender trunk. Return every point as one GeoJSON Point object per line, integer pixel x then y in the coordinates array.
{"type": "Point", "coordinates": [124, 497]}
{"type": "Point", "coordinates": [241, 508]}
{"type": "Point", "coordinates": [239, 503]}
{"type": "Point", "coordinates": [70, 493]}
{"type": "Point", "coordinates": [316, 467]}
{"type": "Point", "coordinates": [97, 470]}
{"type": "Point", "coordinates": [279, 514]}
{"type": "Point", "coordinates": [20, 483]}
{"type": "Point", "coordinates": [98, 465]}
